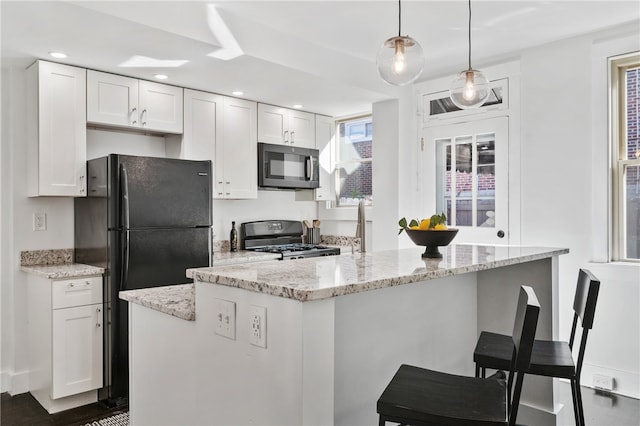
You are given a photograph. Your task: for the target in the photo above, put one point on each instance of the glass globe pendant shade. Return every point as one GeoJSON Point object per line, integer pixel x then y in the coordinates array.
{"type": "Point", "coordinates": [400, 60]}
{"type": "Point", "coordinates": [470, 89]}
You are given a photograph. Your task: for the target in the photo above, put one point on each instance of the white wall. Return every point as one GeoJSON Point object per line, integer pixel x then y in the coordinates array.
{"type": "Point", "coordinates": [559, 207]}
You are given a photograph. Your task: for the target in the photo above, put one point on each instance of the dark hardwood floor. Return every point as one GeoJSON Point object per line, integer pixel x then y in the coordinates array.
{"type": "Point", "coordinates": [599, 409]}
{"type": "Point", "coordinates": [24, 410]}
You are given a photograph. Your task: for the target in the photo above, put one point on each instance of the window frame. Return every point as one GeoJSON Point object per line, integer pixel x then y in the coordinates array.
{"type": "Point", "coordinates": [618, 140]}
{"type": "Point", "coordinates": [338, 162]}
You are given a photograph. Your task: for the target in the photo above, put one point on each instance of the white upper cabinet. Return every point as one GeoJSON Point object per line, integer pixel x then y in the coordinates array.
{"type": "Point", "coordinates": [202, 125]}
{"type": "Point", "coordinates": [115, 100]}
{"type": "Point", "coordinates": [285, 126]}
{"type": "Point", "coordinates": [325, 144]}
{"type": "Point", "coordinates": [57, 136]}
{"type": "Point", "coordinates": [236, 154]}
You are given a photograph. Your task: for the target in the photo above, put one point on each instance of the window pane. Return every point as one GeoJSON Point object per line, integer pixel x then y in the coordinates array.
{"type": "Point", "coordinates": [485, 176]}
{"type": "Point", "coordinates": [632, 201]}
{"type": "Point", "coordinates": [633, 113]}
{"type": "Point", "coordinates": [355, 183]}
{"type": "Point", "coordinates": [464, 183]}
{"type": "Point", "coordinates": [355, 140]}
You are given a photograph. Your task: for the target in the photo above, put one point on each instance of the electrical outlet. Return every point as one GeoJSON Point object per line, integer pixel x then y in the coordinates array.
{"type": "Point", "coordinates": [39, 221]}
{"type": "Point", "coordinates": [600, 381]}
{"type": "Point", "coordinates": [258, 326]}
{"type": "Point", "coordinates": [225, 318]}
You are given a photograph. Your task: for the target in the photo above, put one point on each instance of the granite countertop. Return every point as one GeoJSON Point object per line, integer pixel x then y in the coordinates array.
{"type": "Point", "coordinates": [64, 270]}
{"type": "Point", "coordinates": [331, 276]}
{"type": "Point", "coordinates": [241, 256]}
{"type": "Point", "coordinates": [177, 300]}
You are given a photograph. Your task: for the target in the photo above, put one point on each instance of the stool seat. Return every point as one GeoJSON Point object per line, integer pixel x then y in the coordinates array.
{"type": "Point", "coordinates": [548, 358]}
{"type": "Point", "coordinates": [419, 396]}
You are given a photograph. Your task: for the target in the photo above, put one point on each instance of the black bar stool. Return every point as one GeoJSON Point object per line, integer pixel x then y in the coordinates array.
{"type": "Point", "coordinates": [420, 397]}
{"type": "Point", "coordinates": [549, 358]}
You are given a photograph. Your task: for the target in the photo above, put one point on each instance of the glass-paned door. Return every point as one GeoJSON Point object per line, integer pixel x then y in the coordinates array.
{"type": "Point", "coordinates": [466, 175]}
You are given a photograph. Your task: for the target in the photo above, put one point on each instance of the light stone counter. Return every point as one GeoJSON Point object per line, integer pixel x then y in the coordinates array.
{"type": "Point", "coordinates": [65, 270]}
{"type": "Point", "coordinates": [242, 256]}
{"type": "Point", "coordinates": [326, 277]}
{"type": "Point", "coordinates": [177, 300]}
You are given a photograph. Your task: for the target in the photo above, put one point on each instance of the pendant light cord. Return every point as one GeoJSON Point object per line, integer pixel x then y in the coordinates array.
{"type": "Point", "coordinates": [399, 18]}
{"type": "Point", "coordinates": [469, 34]}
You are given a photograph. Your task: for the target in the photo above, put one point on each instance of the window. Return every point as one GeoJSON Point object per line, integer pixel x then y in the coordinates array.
{"type": "Point", "coordinates": [625, 107]}
{"type": "Point", "coordinates": [354, 161]}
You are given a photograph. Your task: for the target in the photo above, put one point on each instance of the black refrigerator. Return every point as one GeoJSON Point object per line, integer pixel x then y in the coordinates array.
{"type": "Point", "coordinates": [145, 220]}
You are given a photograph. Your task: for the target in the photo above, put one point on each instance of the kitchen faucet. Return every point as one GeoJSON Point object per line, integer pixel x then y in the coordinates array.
{"type": "Point", "coordinates": [360, 228]}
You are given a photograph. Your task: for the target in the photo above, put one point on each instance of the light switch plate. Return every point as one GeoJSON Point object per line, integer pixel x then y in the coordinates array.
{"type": "Point", "coordinates": [40, 221]}
{"type": "Point", "coordinates": [225, 318]}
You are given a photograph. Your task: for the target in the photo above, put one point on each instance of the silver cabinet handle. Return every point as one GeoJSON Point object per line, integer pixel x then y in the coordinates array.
{"type": "Point", "coordinates": [292, 140]}
{"type": "Point", "coordinates": [98, 317]}
{"type": "Point", "coordinates": [133, 110]}
{"type": "Point", "coordinates": [144, 112]}
{"type": "Point", "coordinates": [285, 136]}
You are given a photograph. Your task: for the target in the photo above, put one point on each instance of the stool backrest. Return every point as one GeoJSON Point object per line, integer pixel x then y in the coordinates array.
{"type": "Point", "coordinates": [584, 302]}
{"type": "Point", "coordinates": [584, 307]}
{"type": "Point", "coordinates": [524, 332]}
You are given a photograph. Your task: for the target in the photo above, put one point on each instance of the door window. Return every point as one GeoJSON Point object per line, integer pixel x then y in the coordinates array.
{"type": "Point", "coordinates": [467, 167]}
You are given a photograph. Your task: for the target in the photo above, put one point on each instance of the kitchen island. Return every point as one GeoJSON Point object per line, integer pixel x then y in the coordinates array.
{"type": "Point", "coordinates": [335, 330]}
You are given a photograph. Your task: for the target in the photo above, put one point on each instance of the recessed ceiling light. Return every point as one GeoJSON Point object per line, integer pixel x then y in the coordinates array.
{"type": "Point", "coordinates": [161, 76]}
{"type": "Point", "coordinates": [58, 55]}
{"type": "Point", "coordinates": [297, 106]}
{"type": "Point", "coordinates": [237, 93]}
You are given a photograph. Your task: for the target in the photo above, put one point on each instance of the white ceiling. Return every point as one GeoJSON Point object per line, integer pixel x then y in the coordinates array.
{"type": "Point", "coordinates": [317, 53]}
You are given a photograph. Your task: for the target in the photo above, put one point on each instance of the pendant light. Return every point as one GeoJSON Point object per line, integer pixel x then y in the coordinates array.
{"type": "Point", "coordinates": [400, 60]}
{"type": "Point", "coordinates": [470, 89]}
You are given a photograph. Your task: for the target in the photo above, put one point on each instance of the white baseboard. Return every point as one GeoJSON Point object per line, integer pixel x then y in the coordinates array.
{"type": "Point", "coordinates": [14, 383]}
{"type": "Point", "coordinates": [626, 383]}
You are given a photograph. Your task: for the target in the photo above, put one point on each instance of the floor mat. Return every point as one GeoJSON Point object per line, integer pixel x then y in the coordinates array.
{"type": "Point", "coordinates": [121, 419]}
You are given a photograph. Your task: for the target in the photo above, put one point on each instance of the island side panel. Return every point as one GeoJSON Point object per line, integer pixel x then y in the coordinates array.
{"type": "Point", "coordinates": [162, 368]}
{"type": "Point", "coordinates": [430, 324]}
{"type": "Point", "coordinates": [241, 384]}
{"type": "Point", "coordinates": [497, 298]}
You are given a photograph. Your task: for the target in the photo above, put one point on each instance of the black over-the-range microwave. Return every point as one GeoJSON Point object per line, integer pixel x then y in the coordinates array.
{"type": "Point", "coordinates": [285, 166]}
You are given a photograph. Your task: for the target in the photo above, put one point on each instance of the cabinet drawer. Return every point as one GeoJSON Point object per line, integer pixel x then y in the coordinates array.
{"type": "Point", "coordinates": [76, 292]}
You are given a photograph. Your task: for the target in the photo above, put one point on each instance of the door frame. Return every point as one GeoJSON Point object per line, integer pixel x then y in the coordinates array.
{"type": "Point", "coordinates": [511, 72]}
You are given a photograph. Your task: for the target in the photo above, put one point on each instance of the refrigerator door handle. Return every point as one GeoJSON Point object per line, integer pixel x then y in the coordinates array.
{"type": "Point", "coordinates": [124, 202]}
{"type": "Point", "coordinates": [125, 260]}
{"type": "Point", "coordinates": [124, 191]}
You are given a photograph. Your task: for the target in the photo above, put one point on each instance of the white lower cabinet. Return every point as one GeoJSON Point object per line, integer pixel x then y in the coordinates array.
{"type": "Point", "coordinates": [65, 341]}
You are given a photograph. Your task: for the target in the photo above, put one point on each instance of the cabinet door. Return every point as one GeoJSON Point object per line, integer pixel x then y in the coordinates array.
{"type": "Point", "coordinates": [272, 124]}
{"type": "Point", "coordinates": [58, 112]}
{"type": "Point", "coordinates": [325, 144]}
{"type": "Point", "coordinates": [77, 350]}
{"type": "Point", "coordinates": [112, 99]}
{"type": "Point", "coordinates": [302, 128]}
{"type": "Point", "coordinates": [237, 151]}
{"type": "Point", "coordinates": [202, 115]}
{"type": "Point", "coordinates": [160, 107]}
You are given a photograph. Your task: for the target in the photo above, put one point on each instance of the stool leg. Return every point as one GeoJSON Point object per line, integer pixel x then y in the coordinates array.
{"type": "Point", "coordinates": [579, 398]}
{"type": "Point", "coordinates": [381, 421]}
{"type": "Point", "coordinates": [484, 372]}
{"type": "Point", "coordinates": [574, 395]}
{"type": "Point", "coordinates": [477, 370]}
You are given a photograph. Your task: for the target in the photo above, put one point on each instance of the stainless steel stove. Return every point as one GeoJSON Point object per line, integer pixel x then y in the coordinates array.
{"type": "Point", "coordinates": [280, 236]}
